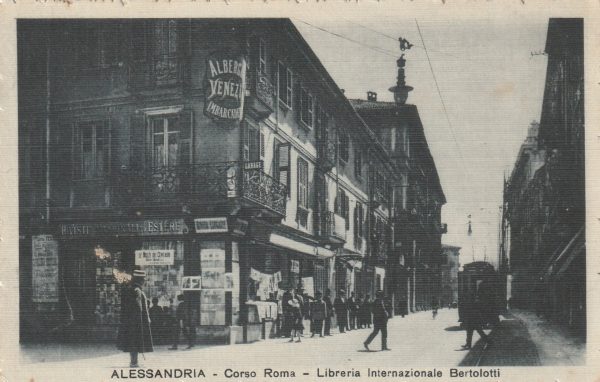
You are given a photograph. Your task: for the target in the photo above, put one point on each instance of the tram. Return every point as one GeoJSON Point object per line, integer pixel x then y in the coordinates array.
{"type": "Point", "coordinates": [480, 279]}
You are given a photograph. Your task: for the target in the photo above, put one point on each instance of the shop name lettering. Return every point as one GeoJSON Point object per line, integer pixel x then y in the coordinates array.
{"type": "Point", "coordinates": [146, 227]}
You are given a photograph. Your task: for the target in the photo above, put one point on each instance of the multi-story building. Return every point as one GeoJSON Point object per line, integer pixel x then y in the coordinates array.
{"type": "Point", "coordinates": [413, 265]}
{"type": "Point", "coordinates": [217, 155]}
{"type": "Point", "coordinates": [449, 269]}
{"type": "Point", "coordinates": [543, 235]}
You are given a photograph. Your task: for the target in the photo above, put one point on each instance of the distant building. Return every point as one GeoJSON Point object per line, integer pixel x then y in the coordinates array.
{"type": "Point", "coordinates": [413, 266]}
{"type": "Point", "coordinates": [543, 230]}
{"type": "Point", "coordinates": [449, 269]}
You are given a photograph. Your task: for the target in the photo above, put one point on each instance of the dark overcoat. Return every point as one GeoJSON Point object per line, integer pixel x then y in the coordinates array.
{"type": "Point", "coordinates": [134, 332]}
{"type": "Point", "coordinates": [380, 313]}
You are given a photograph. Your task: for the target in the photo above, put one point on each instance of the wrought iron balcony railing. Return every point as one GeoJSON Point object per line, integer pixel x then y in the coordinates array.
{"type": "Point", "coordinates": [203, 183]}
{"type": "Point", "coordinates": [261, 101]}
{"type": "Point", "coordinates": [158, 70]}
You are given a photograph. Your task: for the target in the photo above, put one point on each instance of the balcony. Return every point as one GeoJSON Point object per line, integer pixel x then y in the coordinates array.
{"type": "Point", "coordinates": [333, 230]}
{"type": "Point", "coordinates": [205, 184]}
{"type": "Point", "coordinates": [379, 198]}
{"type": "Point", "coordinates": [157, 71]}
{"type": "Point", "coordinates": [261, 101]}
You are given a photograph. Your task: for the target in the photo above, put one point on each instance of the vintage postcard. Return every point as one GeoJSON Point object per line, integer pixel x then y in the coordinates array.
{"type": "Point", "coordinates": [303, 190]}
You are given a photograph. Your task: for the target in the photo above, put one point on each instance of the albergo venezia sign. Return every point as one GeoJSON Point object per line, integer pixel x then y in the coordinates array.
{"type": "Point", "coordinates": [225, 86]}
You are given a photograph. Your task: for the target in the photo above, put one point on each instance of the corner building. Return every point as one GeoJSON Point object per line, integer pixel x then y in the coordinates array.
{"type": "Point", "coordinates": [213, 148]}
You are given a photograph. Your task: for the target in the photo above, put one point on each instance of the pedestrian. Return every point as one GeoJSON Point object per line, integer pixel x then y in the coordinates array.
{"type": "Point", "coordinates": [368, 310]}
{"type": "Point", "coordinates": [329, 312]}
{"type": "Point", "coordinates": [473, 320]}
{"type": "Point", "coordinates": [403, 307]}
{"type": "Point", "coordinates": [380, 319]}
{"type": "Point", "coordinates": [364, 312]}
{"type": "Point", "coordinates": [304, 307]}
{"type": "Point", "coordinates": [434, 308]}
{"type": "Point", "coordinates": [297, 327]}
{"type": "Point", "coordinates": [318, 311]}
{"type": "Point", "coordinates": [341, 310]}
{"type": "Point", "coordinates": [287, 317]}
{"type": "Point", "coordinates": [352, 311]}
{"type": "Point", "coordinates": [135, 335]}
{"type": "Point", "coordinates": [184, 323]}
{"type": "Point", "coordinates": [157, 320]}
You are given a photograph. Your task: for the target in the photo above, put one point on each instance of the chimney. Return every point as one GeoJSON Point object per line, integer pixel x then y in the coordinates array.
{"type": "Point", "coordinates": [371, 96]}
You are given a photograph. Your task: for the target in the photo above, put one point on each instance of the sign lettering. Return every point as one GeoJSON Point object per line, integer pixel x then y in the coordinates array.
{"type": "Point", "coordinates": [225, 86]}
{"type": "Point", "coordinates": [133, 228]}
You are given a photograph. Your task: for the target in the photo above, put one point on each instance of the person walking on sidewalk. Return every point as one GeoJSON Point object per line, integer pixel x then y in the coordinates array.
{"type": "Point", "coordinates": [185, 323]}
{"type": "Point", "coordinates": [352, 311]}
{"type": "Point", "coordinates": [135, 335]}
{"type": "Point", "coordinates": [380, 319]}
{"type": "Point", "coordinates": [473, 320]}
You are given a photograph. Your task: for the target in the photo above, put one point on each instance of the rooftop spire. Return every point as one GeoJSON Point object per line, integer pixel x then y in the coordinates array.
{"type": "Point", "coordinates": [401, 89]}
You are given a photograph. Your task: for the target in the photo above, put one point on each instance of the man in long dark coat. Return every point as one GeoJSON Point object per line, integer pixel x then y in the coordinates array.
{"type": "Point", "coordinates": [380, 318]}
{"type": "Point", "coordinates": [473, 320]}
{"type": "Point", "coordinates": [329, 312]}
{"type": "Point", "coordinates": [135, 335]}
{"type": "Point", "coordinates": [341, 310]}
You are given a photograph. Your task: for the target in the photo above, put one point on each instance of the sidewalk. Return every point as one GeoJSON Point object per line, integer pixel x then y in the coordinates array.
{"type": "Point", "coordinates": [511, 346]}
{"type": "Point", "coordinates": [556, 347]}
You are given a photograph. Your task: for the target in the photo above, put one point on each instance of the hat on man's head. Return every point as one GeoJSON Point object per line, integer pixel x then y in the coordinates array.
{"type": "Point", "coordinates": [139, 273]}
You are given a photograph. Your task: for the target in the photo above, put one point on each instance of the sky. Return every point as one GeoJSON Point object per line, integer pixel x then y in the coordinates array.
{"type": "Point", "coordinates": [491, 86]}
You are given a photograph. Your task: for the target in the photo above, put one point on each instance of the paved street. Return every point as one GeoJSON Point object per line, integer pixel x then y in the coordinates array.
{"type": "Point", "coordinates": [416, 341]}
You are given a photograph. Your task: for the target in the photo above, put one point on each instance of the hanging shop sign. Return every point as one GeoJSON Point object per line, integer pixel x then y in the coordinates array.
{"type": "Point", "coordinates": [225, 86]}
{"type": "Point", "coordinates": [211, 225]}
{"type": "Point", "coordinates": [148, 227]}
{"type": "Point", "coordinates": [44, 269]}
{"type": "Point", "coordinates": [155, 257]}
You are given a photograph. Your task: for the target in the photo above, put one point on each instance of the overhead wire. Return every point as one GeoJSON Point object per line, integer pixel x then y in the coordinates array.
{"type": "Point", "coordinates": [464, 167]}
{"type": "Point", "coordinates": [375, 48]}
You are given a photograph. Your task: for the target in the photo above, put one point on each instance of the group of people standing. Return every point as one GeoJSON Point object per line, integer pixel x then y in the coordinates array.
{"type": "Point", "coordinates": [351, 313]}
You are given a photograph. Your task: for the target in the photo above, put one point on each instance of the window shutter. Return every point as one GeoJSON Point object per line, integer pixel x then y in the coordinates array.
{"type": "Point", "coordinates": [347, 211]}
{"type": "Point", "coordinates": [356, 221]}
{"type": "Point", "coordinates": [284, 164]}
{"type": "Point", "coordinates": [137, 140]}
{"type": "Point", "coordinates": [262, 145]}
{"type": "Point", "coordinates": [187, 130]}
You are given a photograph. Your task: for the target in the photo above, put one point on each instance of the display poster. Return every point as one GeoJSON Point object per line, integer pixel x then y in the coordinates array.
{"type": "Point", "coordinates": [295, 266]}
{"type": "Point", "coordinates": [309, 286]}
{"type": "Point", "coordinates": [44, 269]}
{"type": "Point", "coordinates": [212, 307]}
{"type": "Point", "coordinates": [212, 263]}
{"type": "Point", "coordinates": [155, 257]}
{"type": "Point", "coordinates": [191, 283]}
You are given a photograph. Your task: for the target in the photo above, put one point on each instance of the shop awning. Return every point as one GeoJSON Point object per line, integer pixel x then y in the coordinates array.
{"type": "Point", "coordinates": [294, 245]}
{"type": "Point", "coordinates": [567, 254]}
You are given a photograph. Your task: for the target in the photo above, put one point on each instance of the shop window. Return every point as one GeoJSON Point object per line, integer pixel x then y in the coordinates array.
{"type": "Point", "coordinates": [344, 145]}
{"type": "Point", "coordinates": [92, 150]}
{"type": "Point", "coordinates": [285, 85]}
{"type": "Point", "coordinates": [306, 108]}
{"type": "Point", "coordinates": [164, 281]}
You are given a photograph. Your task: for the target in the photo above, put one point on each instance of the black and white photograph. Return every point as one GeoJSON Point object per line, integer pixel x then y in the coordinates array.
{"type": "Point", "coordinates": [363, 197]}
